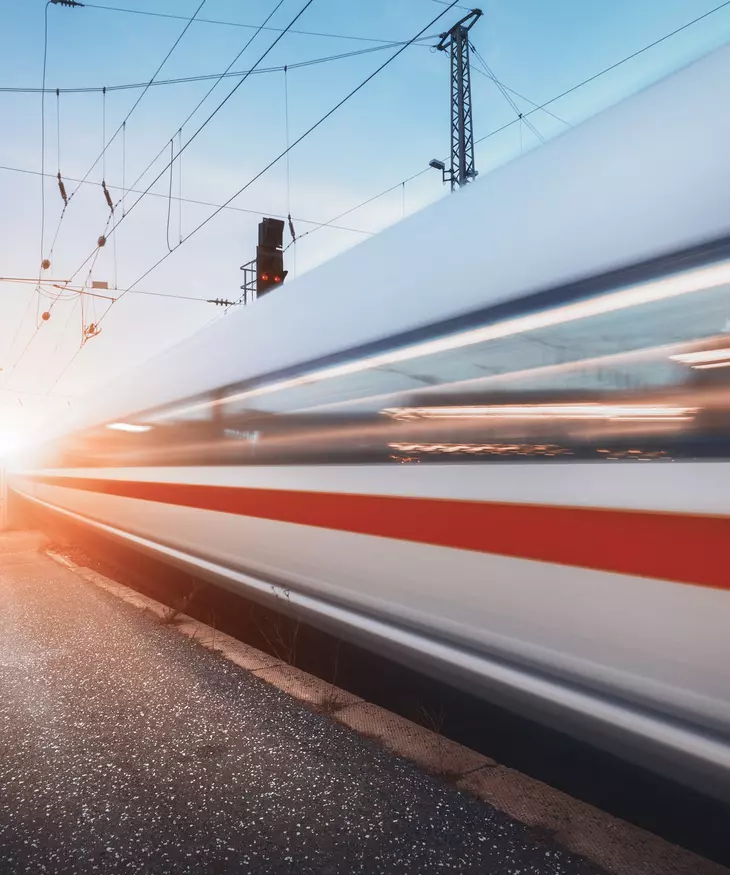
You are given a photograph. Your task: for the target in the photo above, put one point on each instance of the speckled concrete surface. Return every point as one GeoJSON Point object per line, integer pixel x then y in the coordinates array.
{"type": "Point", "coordinates": [125, 747]}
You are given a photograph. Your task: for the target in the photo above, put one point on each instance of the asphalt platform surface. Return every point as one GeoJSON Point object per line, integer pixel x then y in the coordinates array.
{"type": "Point", "coordinates": [126, 747]}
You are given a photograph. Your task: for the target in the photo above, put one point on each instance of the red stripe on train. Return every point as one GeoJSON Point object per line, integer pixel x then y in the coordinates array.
{"type": "Point", "coordinates": [669, 546]}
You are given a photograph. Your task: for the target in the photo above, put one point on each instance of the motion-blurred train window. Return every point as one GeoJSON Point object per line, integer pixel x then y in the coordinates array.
{"type": "Point", "coordinates": [645, 382]}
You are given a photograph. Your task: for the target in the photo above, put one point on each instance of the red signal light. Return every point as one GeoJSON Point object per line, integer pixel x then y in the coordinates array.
{"type": "Point", "coordinates": [264, 276]}
{"type": "Point", "coordinates": [277, 279]}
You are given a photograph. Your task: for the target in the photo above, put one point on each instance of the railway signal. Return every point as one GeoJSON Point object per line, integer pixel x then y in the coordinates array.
{"type": "Point", "coordinates": [270, 256]}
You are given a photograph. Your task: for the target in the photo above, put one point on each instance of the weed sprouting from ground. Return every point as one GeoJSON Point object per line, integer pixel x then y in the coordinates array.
{"type": "Point", "coordinates": [173, 614]}
{"type": "Point", "coordinates": [281, 631]}
{"type": "Point", "coordinates": [333, 700]}
{"type": "Point", "coordinates": [433, 719]}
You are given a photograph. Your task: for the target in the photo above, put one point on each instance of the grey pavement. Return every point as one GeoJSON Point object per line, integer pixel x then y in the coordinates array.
{"type": "Point", "coordinates": [126, 747]}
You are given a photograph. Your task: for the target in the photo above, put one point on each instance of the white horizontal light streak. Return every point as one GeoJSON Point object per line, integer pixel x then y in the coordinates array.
{"type": "Point", "coordinates": [704, 356]}
{"type": "Point", "coordinates": [543, 411]}
{"type": "Point", "coordinates": [709, 366]}
{"type": "Point", "coordinates": [657, 290]}
{"type": "Point", "coordinates": [128, 426]}
{"type": "Point", "coordinates": [649, 354]}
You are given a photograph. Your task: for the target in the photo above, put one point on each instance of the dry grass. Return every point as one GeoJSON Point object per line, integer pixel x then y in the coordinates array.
{"type": "Point", "coordinates": [433, 720]}
{"type": "Point", "coordinates": [333, 700]}
{"type": "Point", "coordinates": [283, 632]}
{"type": "Point", "coordinates": [178, 607]}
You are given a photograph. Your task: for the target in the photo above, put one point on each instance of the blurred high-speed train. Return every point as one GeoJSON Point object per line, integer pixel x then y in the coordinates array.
{"type": "Point", "coordinates": [492, 441]}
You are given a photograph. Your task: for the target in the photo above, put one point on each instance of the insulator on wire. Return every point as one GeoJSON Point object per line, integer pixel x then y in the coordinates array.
{"type": "Point", "coordinates": [291, 229]}
{"type": "Point", "coordinates": [62, 189]}
{"type": "Point", "coordinates": [101, 241]}
{"type": "Point", "coordinates": [45, 264]}
{"type": "Point", "coordinates": [107, 196]}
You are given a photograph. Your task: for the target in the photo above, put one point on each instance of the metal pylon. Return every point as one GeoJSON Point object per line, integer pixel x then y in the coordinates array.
{"type": "Point", "coordinates": [462, 168]}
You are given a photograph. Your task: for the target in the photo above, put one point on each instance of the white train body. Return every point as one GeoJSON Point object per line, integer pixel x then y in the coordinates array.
{"type": "Point", "coordinates": [493, 441]}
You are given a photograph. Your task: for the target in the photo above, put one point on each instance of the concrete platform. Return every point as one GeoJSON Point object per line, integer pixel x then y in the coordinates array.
{"type": "Point", "coordinates": [126, 746]}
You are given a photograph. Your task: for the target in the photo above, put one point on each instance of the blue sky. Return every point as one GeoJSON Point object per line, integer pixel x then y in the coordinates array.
{"type": "Point", "coordinates": [388, 132]}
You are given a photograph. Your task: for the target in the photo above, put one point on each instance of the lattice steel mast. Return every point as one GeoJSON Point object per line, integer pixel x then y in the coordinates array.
{"type": "Point", "coordinates": [462, 168]}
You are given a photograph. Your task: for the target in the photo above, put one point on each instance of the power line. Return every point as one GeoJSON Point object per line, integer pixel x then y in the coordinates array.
{"type": "Point", "coordinates": [75, 291]}
{"type": "Point", "coordinates": [610, 68]}
{"type": "Point", "coordinates": [43, 137]}
{"type": "Point", "coordinates": [330, 223]}
{"type": "Point", "coordinates": [30, 392]}
{"type": "Point", "coordinates": [487, 136]}
{"type": "Point", "coordinates": [296, 142]}
{"type": "Point", "coordinates": [169, 198]}
{"type": "Point", "coordinates": [453, 6]}
{"type": "Point", "coordinates": [146, 88]}
{"type": "Point", "coordinates": [197, 132]}
{"type": "Point", "coordinates": [194, 110]}
{"type": "Point", "coordinates": [103, 238]}
{"type": "Point", "coordinates": [20, 325]}
{"type": "Point", "coordinates": [105, 146]}
{"type": "Point", "coordinates": [234, 23]}
{"type": "Point", "coordinates": [43, 184]}
{"type": "Point", "coordinates": [488, 73]}
{"type": "Point", "coordinates": [188, 200]}
{"type": "Point", "coordinates": [537, 108]}
{"type": "Point", "coordinates": [168, 295]}
{"type": "Point", "coordinates": [503, 91]}
{"type": "Point", "coordinates": [184, 80]}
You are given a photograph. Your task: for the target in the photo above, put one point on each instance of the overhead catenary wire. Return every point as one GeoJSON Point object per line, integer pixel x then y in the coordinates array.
{"type": "Point", "coordinates": [611, 67]}
{"type": "Point", "coordinates": [94, 254]}
{"type": "Point", "coordinates": [198, 131]}
{"type": "Point", "coordinates": [273, 162]}
{"type": "Point", "coordinates": [292, 232]}
{"type": "Point", "coordinates": [455, 6]}
{"type": "Point", "coordinates": [31, 300]}
{"type": "Point", "coordinates": [76, 291]}
{"type": "Point", "coordinates": [541, 106]}
{"type": "Point", "coordinates": [169, 197]}
{"type": "Point", "coordinates": [179, 190]}
{"type": "Point", "coordinates": [296, 142]}
{"type": "Point", "coordinates": [144, 91]}
{"type": "Point", "coordinates": [330, 223]}
{"type": "Point", "coordinates": [61, 185]}
{"type": "Point", "coordinates": [103, 133]}
{"type": "Point", "coordinates": [197, 106]}
{"type": "Point", "coordinates": [39, 323]}
{"type": "Point", "coordinates": [286, 133]}
{"type": "Point", "coordinates": [503, 91]}
{"type": "Point", "coordinates": [122, 127]}
{"type": "Point", "coordinates": [115, 270]}
{"type": "Point", "coordinates": [58, 129]}
{"type": "Point", "coordinates": [488, 73]}
{"type": "Point", "coordinates": [545, 104]}
{"type": "Point", "coordinates": [124, 164]}
{"type": "Point", "coordinates": [339, 36]}
{"type": "Point", "coordinates": [36, 394]}
{"type": "Point", "coordinates": [43, 138]}
{"type": "Point", "coordinates": [66, 324]}
{"type": "Point", "coordinates": [35, 296]}
{"type": "Point", "coordinates": [184, 80]}
{"type": "Point", "coordinates": [192, 201]}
